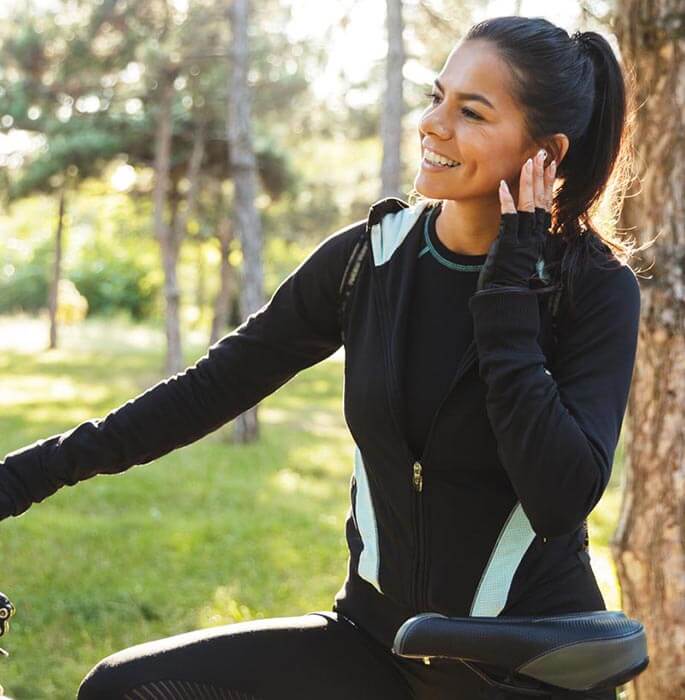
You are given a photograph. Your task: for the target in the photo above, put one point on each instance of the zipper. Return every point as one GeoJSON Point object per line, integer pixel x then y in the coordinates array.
{"type": "Point", "coordinates": [418, 587]}
{"type": "Point", "coordinates": [417, 484]}
{"type": "Point", "coordinates": [417, 469]}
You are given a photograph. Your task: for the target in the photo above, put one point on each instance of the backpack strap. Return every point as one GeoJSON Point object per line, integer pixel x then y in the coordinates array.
{"type": "Point", "coordinates": [553, 301]}
{"type": "Point", "coordinates": [359, 252]}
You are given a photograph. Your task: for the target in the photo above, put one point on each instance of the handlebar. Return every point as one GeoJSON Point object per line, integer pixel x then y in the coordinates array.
{"type": "Point", "coordinates": [6, 611]}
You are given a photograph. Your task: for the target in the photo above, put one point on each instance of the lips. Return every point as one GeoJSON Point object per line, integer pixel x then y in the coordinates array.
{"type": "Point", "coordinates": [435, 167]}
{"type": "Point", "coordinates": [435, 150]}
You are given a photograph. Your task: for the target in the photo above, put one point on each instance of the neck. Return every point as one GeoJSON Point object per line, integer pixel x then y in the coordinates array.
{"type": "Point", "coordinates": [468, 227]}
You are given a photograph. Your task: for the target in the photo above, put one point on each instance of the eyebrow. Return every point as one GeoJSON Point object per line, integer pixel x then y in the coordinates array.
{"type": "Point", "coordinates": [468, 95]}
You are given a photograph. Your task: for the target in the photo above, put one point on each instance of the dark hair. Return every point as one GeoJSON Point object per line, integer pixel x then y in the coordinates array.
{"type": "Point", "coordinates": [573, 85]}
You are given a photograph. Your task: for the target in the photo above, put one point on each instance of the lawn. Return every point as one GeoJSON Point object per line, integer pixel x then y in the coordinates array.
{"type": "Point", "coordinates": [210, 534]}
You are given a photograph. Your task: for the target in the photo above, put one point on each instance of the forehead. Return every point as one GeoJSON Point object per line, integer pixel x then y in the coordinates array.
{"type": "Point", "coordinates": [476, 66]}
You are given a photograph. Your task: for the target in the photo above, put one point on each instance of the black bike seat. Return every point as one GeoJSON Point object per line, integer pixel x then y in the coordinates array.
{"type": "Point", "coordinates": [573, 651]}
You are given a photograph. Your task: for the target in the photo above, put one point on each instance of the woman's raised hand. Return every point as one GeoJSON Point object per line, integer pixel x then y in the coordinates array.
{"type": "Point", "coordinates": [514, 254]}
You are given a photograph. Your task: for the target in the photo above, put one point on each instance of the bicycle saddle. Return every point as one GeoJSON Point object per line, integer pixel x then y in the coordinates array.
{"type": "Point", "coordinates": [573, 652]}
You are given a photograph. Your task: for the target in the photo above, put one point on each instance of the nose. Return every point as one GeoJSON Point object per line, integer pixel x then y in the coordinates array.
{"type": "Point", "coordinates": [431, 123]}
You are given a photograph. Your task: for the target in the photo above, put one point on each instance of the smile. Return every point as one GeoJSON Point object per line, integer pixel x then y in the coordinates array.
{"type": "Point", "coordinates": [434, 161]}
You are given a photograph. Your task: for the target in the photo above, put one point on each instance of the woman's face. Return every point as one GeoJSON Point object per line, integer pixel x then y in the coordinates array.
{"type": "Point", "coordinates": [488, 140]}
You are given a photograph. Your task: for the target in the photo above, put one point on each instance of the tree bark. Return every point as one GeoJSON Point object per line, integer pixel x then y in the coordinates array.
{"type": "Point", "coordinates": [164, 231]}
{"type": "Point", "coordinates": [184, 215]}
{"type": "Point", "coordinates": [243, 166]}
{"type": "Point", "coordinates": [393, 103]}
{"type": "Point", "coordinates": [649, 543]}
{"type": "Point", "coordinates": [200, 287]}
{"type": "Point", "coordinates": [222, 302]}
{"type": "Point", "coordinates": [53, 297]}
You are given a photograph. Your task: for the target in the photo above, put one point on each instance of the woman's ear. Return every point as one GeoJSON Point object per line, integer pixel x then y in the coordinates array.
{"type": "Point", "coordinates": [556, 147]}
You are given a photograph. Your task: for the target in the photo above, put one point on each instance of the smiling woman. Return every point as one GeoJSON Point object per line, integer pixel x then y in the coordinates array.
{"type": "Point", "coordinates": [495, 103]}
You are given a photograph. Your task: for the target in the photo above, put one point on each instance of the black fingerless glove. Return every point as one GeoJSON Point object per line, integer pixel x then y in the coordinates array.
{"type": "Point", "coordinates": [515, 256]}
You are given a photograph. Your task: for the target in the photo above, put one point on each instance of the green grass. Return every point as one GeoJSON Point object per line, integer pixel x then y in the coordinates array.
{"type": "Point", "coordinates": [210, 534]}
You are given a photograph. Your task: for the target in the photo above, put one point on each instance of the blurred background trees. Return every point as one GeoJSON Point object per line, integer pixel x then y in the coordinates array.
{"type": "Point", "coordinates": [137, 121]}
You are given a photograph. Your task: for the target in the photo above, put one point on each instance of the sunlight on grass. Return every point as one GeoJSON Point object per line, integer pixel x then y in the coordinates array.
{"type": "Point", "coordinates": [224, 609]}
{"type": "Point", "coordinates": [24, 334]}
{"type": "Point", "coordinates": [35, 389]}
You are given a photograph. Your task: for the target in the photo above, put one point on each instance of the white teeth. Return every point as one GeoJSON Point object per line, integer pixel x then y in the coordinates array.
{"type": "Point", "coordinates": [432, 157]}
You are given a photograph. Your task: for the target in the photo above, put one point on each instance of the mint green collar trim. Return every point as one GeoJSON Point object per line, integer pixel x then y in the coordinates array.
{"type": "Point", "coordinates": [436, 254]}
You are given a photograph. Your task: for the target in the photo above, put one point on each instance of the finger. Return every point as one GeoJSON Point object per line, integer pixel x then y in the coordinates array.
{"type": "Point", "coordinates": [507, 205]}
{"type": "Point", "coordinates": [539, 178]}
{"type": "Point", "coordinates": [526, 202]}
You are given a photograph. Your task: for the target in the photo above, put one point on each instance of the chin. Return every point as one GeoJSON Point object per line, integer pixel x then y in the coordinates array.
{"type": "Point", "coordinates": [425, 186]}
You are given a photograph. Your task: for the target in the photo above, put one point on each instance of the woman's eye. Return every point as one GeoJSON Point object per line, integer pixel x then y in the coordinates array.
{"type": "Point", "coordinates": [433, 95]}
{"type": "Point", "coordinates": [469, 113]}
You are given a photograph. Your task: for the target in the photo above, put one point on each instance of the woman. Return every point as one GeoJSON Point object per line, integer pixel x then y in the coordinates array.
{"type": "Point", "coordinates": [484, 436]}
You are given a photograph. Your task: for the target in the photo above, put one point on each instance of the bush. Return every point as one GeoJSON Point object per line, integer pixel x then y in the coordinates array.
{"type": "Point", "coordinates": [112, 284]}
{"type": "Point", "coordinates": [25, 279]}
{"type": "Point", "coordinates": [111, 281]}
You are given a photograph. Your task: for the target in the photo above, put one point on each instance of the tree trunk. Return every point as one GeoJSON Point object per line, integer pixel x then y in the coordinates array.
{"type": "Point", "coordinates": [243, 167]}
{"type": "Point", "coordinates": [200, 287]}
{"type": "Point", "coordinates": [183, 216]}
{"type": "Point", "coordinates": [393, 103]}
{"type": "Point", "coordinates": [53, 297]}
{"type": "Point", "coordinates": [165, 232]}
{"type": "Point", "coordinates": [649, 543]}
{"type": "Point", "coordinates": [223, 298]}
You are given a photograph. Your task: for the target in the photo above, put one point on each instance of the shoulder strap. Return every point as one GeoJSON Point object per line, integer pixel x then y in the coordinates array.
{"type": "Point", "coordinates": [360, 250]}
{"type": "Point", "coordinates": [553, 301]}
{"type": "Point", "coordinates": [349, 277]}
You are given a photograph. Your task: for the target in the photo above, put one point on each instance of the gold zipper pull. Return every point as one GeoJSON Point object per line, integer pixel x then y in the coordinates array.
{"type": "Point", "coordinates": [418, 478]}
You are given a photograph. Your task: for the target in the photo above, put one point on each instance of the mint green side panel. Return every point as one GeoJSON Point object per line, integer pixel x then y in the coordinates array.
{"type": "Point", "coordinates": [512, 543]}
{"type": "Point", "coordinates": [369, 561]}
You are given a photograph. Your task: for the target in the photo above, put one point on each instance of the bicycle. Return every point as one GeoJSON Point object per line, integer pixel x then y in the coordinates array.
{"type": "Point", "coordinates": [6, 612]}
{"type": "Point", "coordinates": [567, 656]}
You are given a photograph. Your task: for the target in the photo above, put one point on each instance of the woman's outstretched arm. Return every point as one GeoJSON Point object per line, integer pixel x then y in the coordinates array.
{"type": "Point", "coordinates": [295, 329]}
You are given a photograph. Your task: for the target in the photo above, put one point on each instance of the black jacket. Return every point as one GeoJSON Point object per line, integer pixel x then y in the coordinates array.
{"type": "Point", "coordinates": [489, 520]}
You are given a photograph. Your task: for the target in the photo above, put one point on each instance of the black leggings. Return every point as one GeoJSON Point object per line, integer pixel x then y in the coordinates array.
{"type": "Point", "coordinates": [317, 656]}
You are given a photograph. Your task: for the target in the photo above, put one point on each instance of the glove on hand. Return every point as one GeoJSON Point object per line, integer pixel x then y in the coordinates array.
{"type": "Point", "coordinates": [516, 254]}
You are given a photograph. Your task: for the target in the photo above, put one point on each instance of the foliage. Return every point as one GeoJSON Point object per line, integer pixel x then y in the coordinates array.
{"type": "Point", "coordinates": [115, 281]}
{"type": "Point", "coordinates": [25, 277]}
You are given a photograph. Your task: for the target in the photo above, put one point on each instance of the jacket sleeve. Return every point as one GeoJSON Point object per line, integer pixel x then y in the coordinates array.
{"type": "Point", "coordinates": [557, 434]}
{"type": "Point", "coordinates": [295, 329]}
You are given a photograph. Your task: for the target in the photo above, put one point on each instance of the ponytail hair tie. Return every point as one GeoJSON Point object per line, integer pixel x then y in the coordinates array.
{"type": "Point", "coordinates": [582, 39]}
